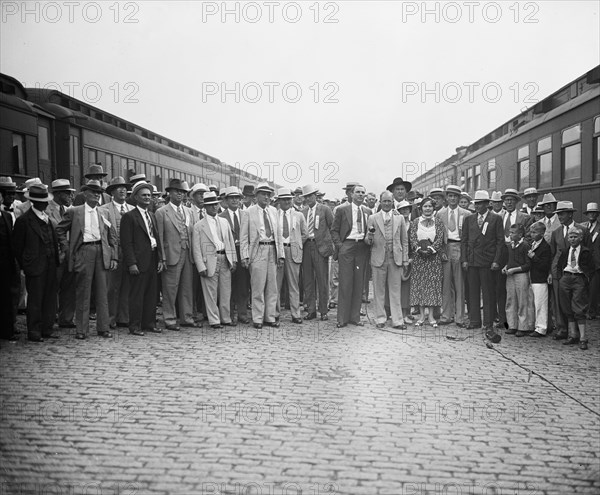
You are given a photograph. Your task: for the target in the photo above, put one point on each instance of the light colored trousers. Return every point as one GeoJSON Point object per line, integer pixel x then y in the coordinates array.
{"type": "Point", "coordinates": [178, 285]}
{"type": "Point", "coordinates": [333, 277]}
{"type": "Point", "coordinates": [217, 293]}
{"type": "Point", "coordinates": [540, 302]}
{"type": "Point", "coordinates": [263, 280]}
{"type": "Point", "coordinates": [453, 296]}
{"type": "Point", "coordinates": [517, 301]}
{"type": "Point", "coordinates": [291, 272]}
{"type": "Point", "coordinates": [388, 275]}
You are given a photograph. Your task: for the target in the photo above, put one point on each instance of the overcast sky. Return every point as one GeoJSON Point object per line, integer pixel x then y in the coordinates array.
{"type": "Point", "coordinates": [348, 90]}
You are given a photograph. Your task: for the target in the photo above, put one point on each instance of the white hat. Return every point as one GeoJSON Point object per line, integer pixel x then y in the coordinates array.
{"type": "Point", "coordinates": [481, 196]}
{"type": "Point", "coordinates": [309, 189]}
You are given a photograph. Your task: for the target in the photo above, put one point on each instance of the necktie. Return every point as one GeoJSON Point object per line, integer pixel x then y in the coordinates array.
{"type": "Point", "coordinates": [236, 226]}
{"type": "Point", "coordinates": [95, 229]}
{"type": "Point", "coordinates": [359, 220]}
{"type": "Point", "coordinates": [573, 261]}
{"type": "Point", "coordinates": [62, 211]}
{"type": "Point", "coordinates": [122, 209]}
{"type": "Point", "coordinates": [387, 218]}
{"type": "Point", "coordinates": [311, 222]}
{"type": "Point", "coordinates": [452, 221]}
{"type": "Point", "coordinates": [507, 225]}
{"type": "Point", "coordinates": [179, 214]}
{"type": "Point", "coordinates": [480, 220]}
{"type": "Point", "coordinates": [268, 231]}
{"type": "Point", "coordinates": [149, 224]}
{"type": "Point", "coordinates": [286, 227]}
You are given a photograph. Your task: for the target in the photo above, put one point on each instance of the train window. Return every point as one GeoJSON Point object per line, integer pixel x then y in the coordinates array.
{"type": "Point", "coordinates": [108, 165]}
{"type": "Point", "coordinates": [123, 171]}
{"type": "Point", "coordinates": [74, 151]}
{"type": "Point", "coordinates": [544, 170]}
{"type": "Point", "coordinates": [43, 143]}
{"type": "Point", "coordinates": [18, 154]}
{"type": "Point", "coordinates": [571, 155]}
{"type": "Point", "coordinates": [92, 157]}
{"type": "Point", "coordinates": [523, 174]}
{"type": "Point", "coordinates": [597, 125]}
{"type": "Point", "coordinates": [469, 179]}
{"type": "Point", "coordinates": [477, 177]}
{"type": "Point", "coordinates": [523, 153]}
{"type": "Point", "coordinates": [571, 134]}
{"type": "Point", "coordinates": [596, 150]}
{"type": "Point", "coordinates": [491, 173]}
{"type": "Point", "coordinates": [544, 144]}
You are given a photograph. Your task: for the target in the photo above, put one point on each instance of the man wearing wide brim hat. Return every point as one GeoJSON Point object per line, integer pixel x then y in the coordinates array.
{"type": "Point", "coordinates": [399, 181]}
{"type": "Point", "coordinates": [96, 173]}
{"type": "Point", "coordinates": [497, 202]}
{"type": "Point", "coordinates": [530, 196]}
{"type": "Point", "coordinates": [548, 203]}
{"type": "Point", "coordinates": [482, 242]}
{"type": "Point", "coordinates": [8, 189]}
{"type": "Point", "coordinates": [21, 208]}
{"type": "Point", "coordinates": [35, 245]}
{"type": "Point", "coordinates": [592, 211]}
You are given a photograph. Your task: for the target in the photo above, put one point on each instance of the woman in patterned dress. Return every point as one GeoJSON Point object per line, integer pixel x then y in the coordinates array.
{"type": "Point", "coordinates": [426, 237]}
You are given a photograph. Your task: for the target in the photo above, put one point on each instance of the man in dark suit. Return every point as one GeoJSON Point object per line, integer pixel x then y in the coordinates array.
{"type": "Point", "coordinates": [318, 246]}
{"type": "Point", "coordinates": [481, 247]}
{"type": "Point", "coordinates": [95, 172]}
{"type": "Point", "coordinates": [348, 234]}
{"type": "Point", "coordinates": [593, 226]}
{"type": "Point", "coordinates": [9, 274]}
{"type": "Point", "coordinates": [141, 255]}
{"type": "Point", "coordinates": [36, 250]}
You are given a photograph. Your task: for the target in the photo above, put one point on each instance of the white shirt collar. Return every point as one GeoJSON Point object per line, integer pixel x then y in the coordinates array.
{"type": "Point", "coordinates": [88, 208]}
{"type": "Point", "coordinates": [42, 215]}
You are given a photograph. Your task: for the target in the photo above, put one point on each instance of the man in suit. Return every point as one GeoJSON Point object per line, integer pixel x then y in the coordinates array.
{"type": "Point", "coordinates": [36, 250]}
{"type": "Point", "coordinates": [453, 296]}
{"type": "Point", "coordinates": [63, 198]}
{"type": "Point", "coordinates": [89, 241]}
{"type": "Point", "coordinates": [118, 280]}
{"type": "Point", "coordinates": [215, 258]}
{"type": "Point", "coordinates": [318, 246]}
{"type": "Point", "coordinates": [9, 274]}
{"type": "Point", "coordinates": [530, 198]}
{"type": "Point", "coordinates": [249, 197]}
{"type": "Point", "coordinates": [8, 189]}
{"type": "Point", "coordinates": [496, 202]}
{"type": "Point", "coordinates": [551, 221]}
{"type": "Point", "coordinates": [196, 194]}
{"type": "Point", "coordinates": [240, 278]}
{"type": "Point", "coordinates": [133, 180]}
{"type": "Point", "coordinates": [559, 243]}
{"type": "Point", "coordinates": [174, 222]}
{"type": "Point", "coordinates": [593, 227]}
{"type": "Point", "coordinates": [293, 231]}
{"type": "Point", "coordinates": [348, 234]}
{"type": "Point", "coordinates": [387, 236]}
{"type": "Point", "coordinates": [481, 248]}
{"type": "Point", "coordinates": [95, 172]}
{"type": "Point", "coordinates": [399, 188]}
{"type": "Point", "coordinates": [261, 248]}
{"type": "Point", "coordinates": [142, 256]}
{"type": "Point", "coordinates": [23, 206]}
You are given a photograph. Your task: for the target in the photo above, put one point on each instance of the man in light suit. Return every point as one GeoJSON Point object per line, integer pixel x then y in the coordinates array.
{"type": "Point", "coordinates": [174, 222]}
{"type": "Point", "coordinates": [261, 248]}
{"type": "Point", "coordinates": [593, 226]}
{"type": "Point", "coordinates": [215, 259]}
{"type": "Point", "coordinates": [348, 234]}
{"type": "Point", "coordinates": [118, 280]}
{"type": "Point", "coordinates": [550, 220]}
{"type": "Point", "coordinates": [293, 232]}
{"type": "Point", "coordinates": [90, 242]}
{"type": "Point", "coordinates": [453, 296]}
{"type": "Point", "coordinates": [196, 194]}
{"type": "Point", "coordinates": [63, 198]}
{"type": "Point", "coordinates": [240, 278]}
{"type": "Point", "coordinates": [142, 256]}
{"type": "Point", "coordinates": [318, 247]}
{"type": "Point", "coordinates": [387, 236]}
{"type": "Point", "coordinates": [530, 197]}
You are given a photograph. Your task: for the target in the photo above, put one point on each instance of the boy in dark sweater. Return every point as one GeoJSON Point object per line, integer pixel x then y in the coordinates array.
{"type": "Point", "coordinates": [517, 282]}
{"type": "Point", "coordinates": [540, 256]}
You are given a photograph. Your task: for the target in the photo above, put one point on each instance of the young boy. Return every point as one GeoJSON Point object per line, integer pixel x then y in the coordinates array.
{"type": "Point", "coordinates": [575, 266]}
{"type": "Point", "coordinates": [517, 282]}
{"type": "Point", "coordinates": [540, 256]}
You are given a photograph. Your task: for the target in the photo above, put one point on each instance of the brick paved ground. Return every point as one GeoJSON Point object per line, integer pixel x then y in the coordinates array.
{"type": "Point", "coordinates": [310, 409]}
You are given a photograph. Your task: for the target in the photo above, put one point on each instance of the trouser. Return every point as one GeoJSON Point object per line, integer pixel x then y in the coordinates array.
{"type": "Point", "coordinates": [8, 307]}
{"type": "Point", "coordinates": [291, 272]}
{"type": "Point", "coordinates": [198, 298]}
{"type": "Point", "coordinates": [574, 299]}
{"type": "Point", "coordinates": [499, 296]}
{"type": "Point", "coordinates": [118, 295]}
{"type": "Point", "coordinates": [453, 297]}
{"type": "Point", "coordinates": [41, 301]}
{"type": "Point", "coordinates": [142, 297]}
{"type": "Point", "coordinates": [368, 276]}
{"type": "Point", "coordinates": [388, 275]}
{"type": "Point", "coordinates": [334, 282]}
{"type": "Point", "coordinates": [217, 293]}
{"type": "Point", "coordinates": [316, 283]}
{"type": "Point", "coordinates": [240, 281]}
{"type": "Point", "coordinates": [540, 303]}
{"type": "Point", "coordinates": [560, 322]}
{"type": "Point", "coordinates": [517, 301]}
{"type": "Point", "coordinates": [352, 258]}
{"type": "Point", "coordinates": [177, 288]}
{"type": "Point", "coordinates": [480, 283]}
{"type": "Point", "coordinates": [92, 273]}
{"type": "Point", "coordinates": [66, 294]}
{"type": "Point", "coordinates": [263, 279]}
{"type": "Point", "coordinates": [594, 308]}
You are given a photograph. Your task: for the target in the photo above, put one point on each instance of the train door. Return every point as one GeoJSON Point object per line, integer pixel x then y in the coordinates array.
{"type": "Point", "coordinates": [75, 161]}
{"type": "Point", "coordinates": [45, 151]}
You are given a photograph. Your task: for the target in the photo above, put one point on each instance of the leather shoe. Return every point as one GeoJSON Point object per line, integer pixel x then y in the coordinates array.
{"type": "Point", "coordinates": [230, 324]}
{"type": "Point", "coordinates": [121, 324]}
{"type": "Point", "coordinates": [52, 336]}
{"type": "Point", "coordinates": [571, 341]}
{"type": "Point", "coordinates": [459, 325]}
{"type": "Point", "coordinates": [35, 339]}
{"type": "Point", "coordinates": [511, 331]}
{"type": "Point", "coordinates": [258, 325]}
{"type": "Point", "coordinates": [444, 322]}
{"type": "Point", "coordinates": [154, 330]}
{"type": "Point", "coordinates": [310, 316]}
{"type": "Point", "coordinates": [402, 326]}
{"type": "Point", "coordinates": [357, 323]}
{"type": "Point", "coordinates": [216, 327]}
{"type": "Point", "coordinates": [332, 305]}
{"type": "Point", "coordinates": [536, 335]}
{"type": "Point", "coordinates": [324, 317]}
{"type": "Point", "coordinates": [136, 332]}
{"type": "Point", "coordinates": [106, 335]}
{"type": "Point", "coordinates": [79, 336]}
{"type": "Point", "coordinates": [522, 333]}
{"type": "Point", "coordinates": [245, 321]}
{"type": "Point", "coordinates": [67, 325]}
{"type": "Point", "coordinates": [560, 336]}
{"type": "Point", "coordinates": [341, 325]}
{"type": "Point", "coordinates": [583, 345]}
{"type": "Point", "coordinates": [175, 328]}
{"type": "Point", "coordinates": [297, 320]}
{"type": "Point", "coordinates": [380, 325]}
{"type": "Point", "coordinates": [492, 336]}
{"type": "Point", "coordinates": [92, 316]}
{"type": "Point", "coordinates": [188, 325]}
{"type": "Point", "coordinates": [274, 324]}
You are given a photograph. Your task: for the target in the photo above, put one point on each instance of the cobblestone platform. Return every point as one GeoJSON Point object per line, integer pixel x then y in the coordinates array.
{"type": "Point", "coordinates": [305, 409]}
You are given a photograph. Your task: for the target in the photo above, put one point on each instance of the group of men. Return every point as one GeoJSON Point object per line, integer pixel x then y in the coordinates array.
{"type": "Point", "coordinates": [110, 254]}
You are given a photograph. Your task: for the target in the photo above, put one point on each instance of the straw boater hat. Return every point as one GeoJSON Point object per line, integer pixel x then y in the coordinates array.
{"type": "Point", "coordinates": [177, 185]}
{"type": "Point", "coordinates": [201, 188]}
{"type": "Point", "coordinates": [137, 178]}
{"type": "Point", "coordinates": [95, 169]}
{"type": "Point", "coordinates": [264, 187]}
{"type": "Point", "coordinates": [39, 192]}
{"type": "Point", "coordinates": [548, 199]}
{"type": "Point", "coordinates": [399, 181]}
{"type": "Point", "coordinates": [496, 196]}
{"type": "Point", "coordinates": [453, 189]}
{"type": "Point", "coordinates": [591, 208]}
{"type": "Point", "coordinates": [511, 193]}
{"type": "Point", "coordinates": [298, 190]}
{"type": "Point", "coordinates": [481, 196]}
{"type": "Point", "coordinates": [116, 182]}
{"type": "Point", "coordinates": [284, 193]}
{"type": "Point", "coordinates": [309, 189]}
{"type": "Point", "coordinates": [564, 206]}
{"type": "Point", "coordinates": [7, 184]}
{"type": "Point", "coordinates": [138, 186]}
{"type": "Point", "coordinates": [530, 191]}
{"type": "Point", "coordinates": [350, 185]}
{"type": "Point", "coordinates": [466, 196]}
{"type": "Point", "coordinates": [210, 198]}
{"type": "Point", "coordinates": [436, 191]}
{"type": "Point", "coordinates": [62, 185]}
{"type": "Point", "coordinates": [233, 192]}
{"type": "Point", "coordinates": [30, 182]}
{"type": "Point", "coordinates": [93, 185]}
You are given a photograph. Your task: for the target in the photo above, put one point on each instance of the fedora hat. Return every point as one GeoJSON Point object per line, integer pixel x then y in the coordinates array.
{"type": "Point", "coordinates": [530, 191]}
{"type": "Point", "coordinates": [212, 187]}
{"type": "Point", "coordinates": [248, 190]}
{"type": "Point", "coordinates": [350, 185]}
{"type": "Point", "coordinates": [466, 196]}
{"type": "Point", "coordinates": [309, 189]}
{"type": "Point", "coordinates": [511, 193]}
{"type": "Point", "coordinates": [138, 186]}
{"type": "Point", "coordinates": [29, 182]}
{"type": "Point", "coordinates": [547, 199]}
{"type": "Point", "coordinates": [202, 188]}
{"type": "Point", "coordinates": [591, 207]}
{"type": "Point", "coordinates": [298, 190]}
{"type": "Point", "coordinates": [284, 193]}
{"type": "Point", "coordinates": [564, 206]}
{"type": "Point", "coordinates": [399, 181]}
{"type": "Point", "coordinates": [137, 178]}
{"type": "Point", "coordinates": [7, 183]}
{"type": "Point", "coordinates": [453, 189]}
{"type": "Point", "coordinates": [116, 182]}
{"type": "Point", "coordinates": [496, 196]}
{"type": "Point", "coordinates": [177, 185]}
{"type": "Point", "coordinates": [155, 191]}
{"type": "Point", "coordinates": [95, 169]}
{"type": "Point", "coordinates": [39, 192]}
{"type": "Point", "coordinates": [481, 196]}
{"type": "Point", "coordinates": [62, 185]}
{"type": "Point", "coordinates": [210, 198]}
{"type": "Point", "coordinates": [233, 192]}
{"type": "Point", "coordinates": [264, 187]}
{"type": "Point", "coordinates": [93, 185]}
{"type": "Point", "coordinates": [538, 208]}
{"type": "Point", "coordinates": [403, 204]}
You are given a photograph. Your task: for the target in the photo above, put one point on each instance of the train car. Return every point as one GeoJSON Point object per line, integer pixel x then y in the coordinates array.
{"type": "Point", "coordinates": [553, 146]}
{"type": "Point", "coordinates": [49, 134]}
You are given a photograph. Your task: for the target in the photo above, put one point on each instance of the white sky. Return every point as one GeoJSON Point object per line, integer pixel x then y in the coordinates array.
{"type": "Point", "coordinates": [368, 63]}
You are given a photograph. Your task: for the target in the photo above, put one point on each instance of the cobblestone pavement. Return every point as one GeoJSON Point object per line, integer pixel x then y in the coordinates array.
{"type": "Point", "coordinates": [302, 409]}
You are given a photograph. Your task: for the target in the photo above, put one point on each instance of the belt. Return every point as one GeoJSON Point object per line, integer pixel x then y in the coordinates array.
{"type": "Point", "coordinates": [452, 240]}
{"type": "Point", "coordinates": [311, 239]}
{"type": "Point", "coordinates": [354, 240]}
{"type": "Point", "coordinates": [574, 274]}
{"type": "Point", "coordinates": [222, 251]}
{"type": "Point", "coordinates": [267, 243]}
{"type": "Point", "coordinates": [92, 243]}
{"type": "Point", "coordinates": [287, 244]}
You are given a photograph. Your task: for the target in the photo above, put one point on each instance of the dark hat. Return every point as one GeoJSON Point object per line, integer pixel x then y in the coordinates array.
{"type": "Point", "coordinates": [62, 185]}
{"type": "Point", "coordinates": [93, 185]}
{"type": "Point", "coordinates": [95, 169]}
{"type": "Point", "coordinates": [116, 182]}
{"type": "Point", "coordinates": [39, 192]}
{"type": "Point", "coordinates": [399, 181]}
{"type": "Point", "coordinates": [177, 185]}
{"type": "Point", "coordinates": [248, 190]}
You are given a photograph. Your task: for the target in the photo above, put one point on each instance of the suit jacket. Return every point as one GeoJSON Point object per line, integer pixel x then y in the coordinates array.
{"type": "Point", "coordinates": [298, 234]}
{"type": "Point", "coordinates": [7, 253]}
{"type": "Point", "coordinates": [443, 213]}
{"type": "Point", "coordinates": [522, 219]}
{"type": "Point", "coordinates": [585, 261]}
{"type": "Point", "coordinates": [70, 236]}
{"type": "Point", "coordinates": [196, 215]}
{"type": "Point", "coordinates": [135, 241]}
{"type": "Point", "coordinates": [29, 247]}
{"type": "Point", "coordinates": [342, 223]}
{"type": "Point", "coordinates": [110, 211]}
{"type": "Point", "coordinates": [53, 211]}
{"type": "Point", "coordinates": [168, 231]}
{"type": "Point", "coordinates": [558, 243]}
{"type": "Point", "coordinates": [481, 247]}
{"type": "Point", "coordinates": [226, 215]}
{"type": "Point", "coordinates": [554, 224]}
{"type": "Point", "coordinates": [323, 238]}
{"type": "Point", "coordinates": [378, 242]}
{"type": "Point", "coordinates": [540, 263]}
{"type": "Point", "coordinates": [594, 242]}
{"type": "Point", "coordinates": [250, 236]}
{"type": "Point", "coordinates": [21, 208]}
{"type": "Point", "coordinates": [205, 251]}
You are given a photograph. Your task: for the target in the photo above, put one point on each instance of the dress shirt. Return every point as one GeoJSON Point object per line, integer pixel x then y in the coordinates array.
{"type": "Point", "coordinates": [570, 267]}
{"type": "Point", "coordinates": [483, 217]}
{"type": "Point", "coordinates": [453, 234]}
{"type": "Point", "coordinates": [91, 229]}
{"type": "Point", "coordinates": [354, 233]}
{"type": "Point", "coordinates": [126, 206]}
{"type": "Point", "coordinates": [149, 229]}
{"type": "Point", "coordinates": [41, 215]}
{"type": "Point", "coordinates": [216, 232]}
{"type": "Point", "coordinates": [262, 231]}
